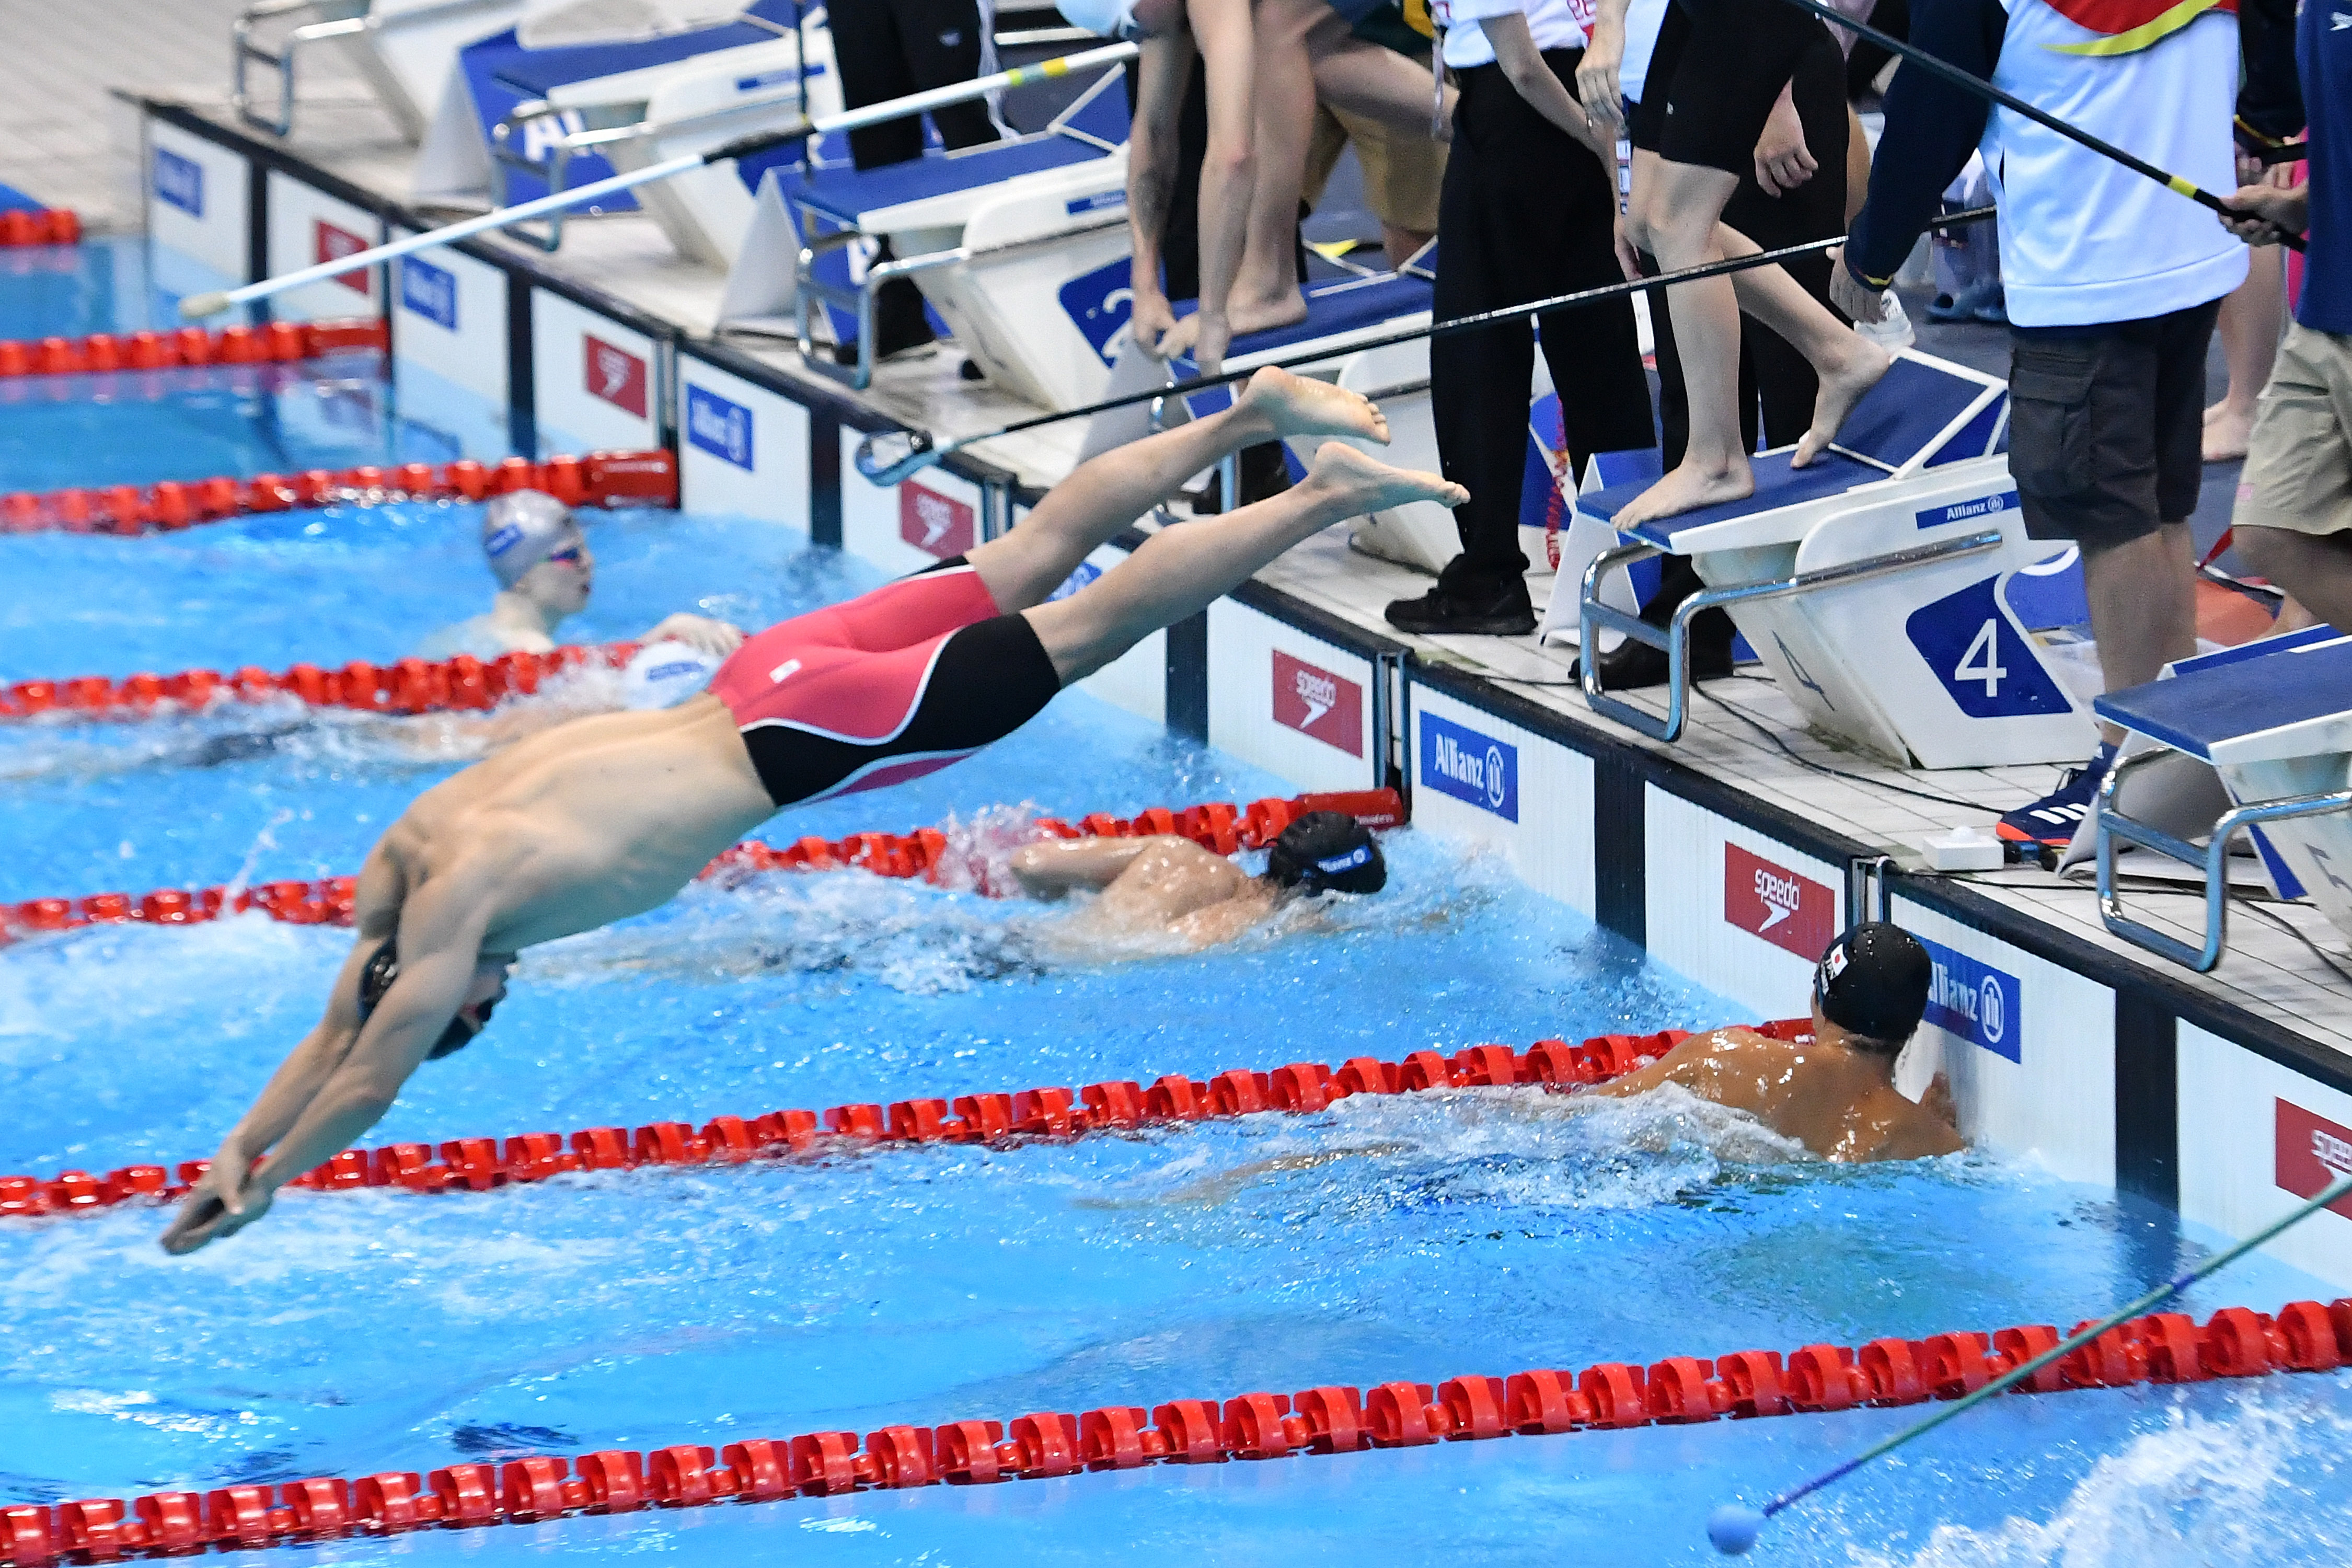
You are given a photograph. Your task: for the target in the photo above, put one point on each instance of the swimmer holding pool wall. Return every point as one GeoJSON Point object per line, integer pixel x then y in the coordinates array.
{"type": "Point", "coordinates": [1836, 1093]}
{"type": "Point", "coordinates": [607, 817]}
{"type": "Point", "coordinates": [1166, 886]}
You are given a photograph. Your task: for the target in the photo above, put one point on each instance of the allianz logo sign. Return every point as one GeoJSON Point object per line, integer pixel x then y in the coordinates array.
{"type": "Point", "coordinates": [719, 427]}
{"type": "Point", "coordinates": [1975, 1000]}
{"type": "Point", "coordinates": [1458, 761]}
{"type": "Point", "coordinates": [1960, 512]}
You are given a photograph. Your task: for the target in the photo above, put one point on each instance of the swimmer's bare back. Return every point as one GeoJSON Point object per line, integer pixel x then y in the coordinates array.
{"type": "Point", "coordinates": [590, 822]}
{"type": "Point", "coordinates": [1838, 1103]}
{"type": "Point", "coordinates": [1161, 884]}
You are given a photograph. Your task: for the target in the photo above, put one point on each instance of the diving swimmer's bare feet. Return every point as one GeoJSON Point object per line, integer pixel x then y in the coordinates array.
{"type": "Point", "coordinates": [1355, 484]}
{"type": "Point", "coordinates": [1692, 484]}
{"type": "Point", "coordinates": [1300, 406]}
{"type": "Point", "coordinates": [1841, 389]}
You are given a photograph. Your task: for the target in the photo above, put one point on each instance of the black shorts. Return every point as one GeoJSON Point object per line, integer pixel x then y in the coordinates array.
{"type": "Point", "coordinates": [1715, 73]}
{"type": "Point", "coordinates": [2105, 424]}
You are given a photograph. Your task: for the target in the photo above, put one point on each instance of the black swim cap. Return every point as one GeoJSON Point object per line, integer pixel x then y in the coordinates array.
{"type": "Point", "coordinates": [1872, 980]}
{"type": "Point", "coordinates": [1327, 852]}
{"type": "Point", "coordinates": [383, 968]}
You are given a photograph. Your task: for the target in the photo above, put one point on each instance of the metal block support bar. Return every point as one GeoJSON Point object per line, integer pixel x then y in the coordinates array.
{"type": "Point", "coordinates": [247, 52]}
{"type": "Point", "coordinates": [1674, 639]}
{"type": "Point", "coordinates": [2213, 854]}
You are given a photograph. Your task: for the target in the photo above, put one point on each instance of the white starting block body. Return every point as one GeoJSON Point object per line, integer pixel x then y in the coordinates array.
{"type": "Point", "coordinates": [2273, 720]}
{"type": "Point", "coordinates": [517, 122]}
{"type": "Point", "coordinates": [995, 235]}
{"type": "Point", "coordinates": [1866, 598]}
{"type": "Point", "coordinates": [405, 50]}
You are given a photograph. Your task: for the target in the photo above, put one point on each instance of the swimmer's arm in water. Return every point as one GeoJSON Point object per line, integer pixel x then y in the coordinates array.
{"type": "Point", "coordinates": [1732, 1066]}
{"type": "Point", "coordinates": [1050, 869]}
{"type": "Point", "coordinates": [345, 1075]}
{"type": "Point", "coordinates": [716, 637]}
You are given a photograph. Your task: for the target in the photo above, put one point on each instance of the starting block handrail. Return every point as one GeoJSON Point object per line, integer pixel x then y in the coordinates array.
{"type": "Point", "coordinates": [1674, 639]}
{"type": "Point", "coordinates": [2214, 856]}
{"type": "Point", "coordinates": [246, 52]}
{"type": "Point", "coordinates": [810, 287]}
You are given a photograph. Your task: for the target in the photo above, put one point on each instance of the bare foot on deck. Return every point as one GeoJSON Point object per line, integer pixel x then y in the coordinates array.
{"type": "Point", "coordinates": [1301, 405]}
{"type": "Point", "coordinates": [1841, 389]}
{"type": "Point", "coordinates": [1357, 484]}
{"type": "Point", "coordinates": [1689, 488]}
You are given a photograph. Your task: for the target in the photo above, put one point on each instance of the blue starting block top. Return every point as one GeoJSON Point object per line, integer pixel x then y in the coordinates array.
{"type": "Point", "coordinates": [1349, 305]}
{"type": "Point", "coordinates": [844, 195]}
{"type": "Point", "coordinates": [2226, 708]}
{"type": "Point", "coordinates": [534, 73]}
{"type": "Point", "coordinates": [1776, 485]}
{"type": "Point", "coordinates": [1911, 408]}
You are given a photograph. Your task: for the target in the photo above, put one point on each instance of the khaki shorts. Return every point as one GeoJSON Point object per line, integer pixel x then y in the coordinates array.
{"type": "Point", "coordinates": [2298, 472]}
{"type": "Point", "coordinates": [1401, 172]}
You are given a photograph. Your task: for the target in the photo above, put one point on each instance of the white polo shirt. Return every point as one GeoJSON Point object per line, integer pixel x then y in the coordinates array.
{"type": "Point", "coordinates": [1556, 23]}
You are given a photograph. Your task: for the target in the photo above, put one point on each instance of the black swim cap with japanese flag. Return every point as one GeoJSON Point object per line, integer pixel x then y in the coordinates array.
{"type": "Point", "coordinates": [1327, 852]}
{"type": "Point", "coordinates": [1874, 982]}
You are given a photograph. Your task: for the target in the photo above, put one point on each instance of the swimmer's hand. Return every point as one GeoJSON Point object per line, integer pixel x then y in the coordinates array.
{"type": "Point", "coordinates": [1782, 161]}
{"type": "Point", "coordinates": [222, 1203]}
{"type": "Point", "coordinates": [1150, 320]}
{"type": "Point", "coordinates": [1597, 87]}
{"type": "Point", "coordinates": [704, 635]}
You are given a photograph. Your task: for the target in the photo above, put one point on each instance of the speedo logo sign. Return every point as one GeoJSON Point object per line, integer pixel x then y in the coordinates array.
{"type": "Point", "coordinates": [429, 291]}
{"type": "Point", "coordinates": [1961, 510]}
{"type": "Point", "coordinates": [1794, 913]}
{"type": "Point", "coordinates": [1314, 701]}
{"type": "Point", "coordinates": [614, 375]}
{"type": "Point", "coordinates": [1458, 761]}
{"type": "Point", "coordinates": [1975, 1000]}
{"type": "Point", "coordinates": [719, 427]}
{"type": "Point", "coordinates": [180, 182]}
{"type": "Point", "coordinates": [937, 525]}
{"type": "Point", "coordinates": [2310, 1151]}
{"type": "Point", "coordinates": [331, 242]}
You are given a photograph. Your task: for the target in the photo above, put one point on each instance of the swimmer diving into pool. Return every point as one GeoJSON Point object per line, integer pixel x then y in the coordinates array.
{"type": "Point", "coordinates": [1836, 1094]}
{"type": "Point", "coordinates": [607, 817]}
{"type": "Point", "coordinates": [1166, 886]}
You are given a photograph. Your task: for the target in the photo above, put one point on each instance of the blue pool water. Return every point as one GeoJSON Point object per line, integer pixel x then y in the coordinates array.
{"type": "Point", "coordinates": [102, 285]}
{"type": "Point", "coordinates": [1413, 1238]}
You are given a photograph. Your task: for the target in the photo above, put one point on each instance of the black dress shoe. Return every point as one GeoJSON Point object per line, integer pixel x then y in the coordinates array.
{"type": "Point", "coordinates": [1468, 611]}
{"type": "Point", "coordinates": [1631, 665]}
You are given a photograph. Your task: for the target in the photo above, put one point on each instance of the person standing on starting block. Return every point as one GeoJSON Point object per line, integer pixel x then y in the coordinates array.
{"type": "Point", "coordinates": [605, 817]}
{"type": "Point", "coordinates": [1723, 69]}
{"type": "Point", "coordinates": [1836, 1094]}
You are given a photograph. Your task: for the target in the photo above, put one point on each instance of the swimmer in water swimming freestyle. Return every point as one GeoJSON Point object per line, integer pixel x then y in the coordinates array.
{"type": "Point", "coordinates": [1836, 1093]}
{"type": "Point", "coordinates": [1164, 885]}
{"type": "Point", "coordinates": [607, 817]}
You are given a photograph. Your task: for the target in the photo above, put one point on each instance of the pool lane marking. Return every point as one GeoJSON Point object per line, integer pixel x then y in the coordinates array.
{"type": "Point", "coordinates": [1732, 1527]}
{"type": "Point", "coordinates": [479, 1164]}
{"type": "Point", "coordinates": [1332, 1419]}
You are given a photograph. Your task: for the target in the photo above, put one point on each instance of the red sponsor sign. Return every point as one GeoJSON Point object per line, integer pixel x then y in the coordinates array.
{"type": "Point", "coordinates": [2311, 1152]}
{"type": "Point", "coordinates": [937, 525]}
{"type": "Point", "coordinates": [329, 243]}
{"type": "Point", "coordinates": [1789, 911]}
{"type": "Point", "coordinates": [614, 375]}
{"type": "Point", "coordinates": [1316, 703]}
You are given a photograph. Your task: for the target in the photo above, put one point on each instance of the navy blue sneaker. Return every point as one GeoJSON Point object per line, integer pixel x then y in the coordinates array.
{"type": "Point", "coordinates": [2053, 819]}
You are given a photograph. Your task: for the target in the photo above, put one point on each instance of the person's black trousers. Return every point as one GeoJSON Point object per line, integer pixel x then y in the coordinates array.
{"type": "Point", "coordinates": [1526, 212]}
{"type": "Point", "coordinates": [885, 50]}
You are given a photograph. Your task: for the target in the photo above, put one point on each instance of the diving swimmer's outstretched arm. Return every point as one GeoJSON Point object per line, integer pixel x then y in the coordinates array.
{"type": "Point", "coordinates": [345, 1075]}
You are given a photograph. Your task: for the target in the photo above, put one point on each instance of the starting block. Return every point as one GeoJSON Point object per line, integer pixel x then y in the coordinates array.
{"type": "Point", "coordinates": [1874, 584]}
{"type": "Point", "coordinates": [2273, 719]}
{"type": "Point", "coordinates": [1006, 240]}
{"type": "Point", "coordinates": [406, 49]}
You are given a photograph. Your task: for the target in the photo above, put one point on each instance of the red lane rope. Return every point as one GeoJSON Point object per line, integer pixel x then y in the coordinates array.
{"type": "Point", "coordinates": [49, 225]}
{"type": "Point", "coordinates": [2163, 1348]}
{"type": "Point", "coordinates": [1219, 826]}
{"type": "Point", "coordinates": [281, 342]}
{"type": "Point", "coordinates": [477, 1165]}
{"type": "Point", "coordinates": [599, 478]}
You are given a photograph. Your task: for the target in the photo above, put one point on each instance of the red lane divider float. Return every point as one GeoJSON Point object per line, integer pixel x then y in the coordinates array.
{"type": "Point", "coordinates": [405, 686]}
{"type": "Point", "coordinates": [272, 342]}
{"type": "Point", "coordinates": [2165, 1348]}
{"type": "Point", "coordinates": [1219, 826]}
{"type": "Point", "coordinates": [477, 1165]}
{"type": "Point", "coordinates": [599, 478]}
{"type": "Point", "coordinates": [46, 226]}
